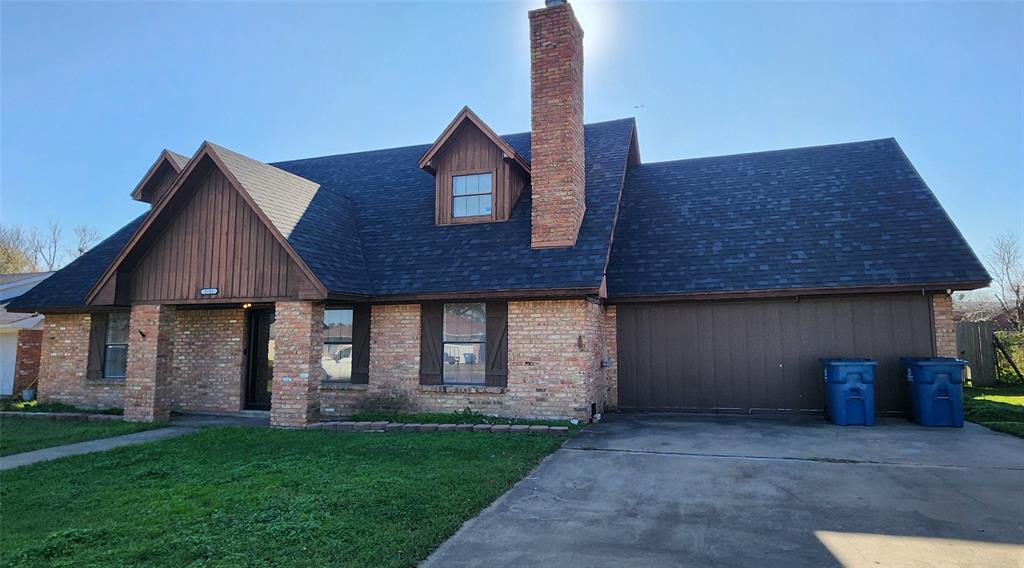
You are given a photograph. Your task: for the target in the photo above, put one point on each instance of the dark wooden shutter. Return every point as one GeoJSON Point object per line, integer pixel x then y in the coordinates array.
{"type": "Point", "coordinates": [431, 332]}
{"type": "Point", "coordinates": [361, 344]}
{"type": "Point", "coordinates": [97, 343]}
{"type": "Point", "coordinates": [497, 344]}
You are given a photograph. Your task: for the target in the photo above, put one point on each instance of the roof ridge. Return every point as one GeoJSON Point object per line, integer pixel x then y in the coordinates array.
{"type": "Point", "coordinates": [428, 144]}
{"type": "Point", "coordinates": [765, 152]}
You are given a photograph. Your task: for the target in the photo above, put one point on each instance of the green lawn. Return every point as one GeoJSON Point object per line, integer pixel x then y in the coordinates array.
{"type": "Point", "coordinates": [259, 497]}
{"type": "Point", "coordinates": [999, 408]}
{"type": "Point", "coordinates": [18, 434]}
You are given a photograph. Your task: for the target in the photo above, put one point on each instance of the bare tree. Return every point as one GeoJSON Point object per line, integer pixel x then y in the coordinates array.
{"type": "Point", "coordinates": [85, 237]}
{"type": "Point", "coordinates": [1006, 262]}
{"type": "Point", "coordinates": [16, 253]}
{"type": "Point", "coordinates": [46, 246]}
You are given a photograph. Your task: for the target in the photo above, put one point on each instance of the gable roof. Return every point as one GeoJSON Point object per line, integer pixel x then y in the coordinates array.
{"type": "Point", "coordinates": [176, 162]}
{"type": "Point", "coordinates": [829, 218]}
{"type": "Point", "coordinates": [467, 115]}
{"type": "Point", "coordinates": [255, 181]}
{"type": "Point", "coordinates": [408, 256]}
{"type": "Point", "coordinates": [852, 215]}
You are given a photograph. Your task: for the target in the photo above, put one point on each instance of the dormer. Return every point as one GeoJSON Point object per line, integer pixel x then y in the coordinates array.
{"type": "Point", "coordinates": [479, 177]}
{"type": "Point", "coordinates": [159, 177]}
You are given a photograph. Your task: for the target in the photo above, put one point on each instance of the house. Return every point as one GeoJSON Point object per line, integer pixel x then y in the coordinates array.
{"type": "Point", "coordinates": [547, 274]}
{"type": "Point", "coordinates": [20, 335]}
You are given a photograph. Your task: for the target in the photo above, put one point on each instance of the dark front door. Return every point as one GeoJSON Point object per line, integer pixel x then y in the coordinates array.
{"type": "Point", "coordinates": [261, 360]}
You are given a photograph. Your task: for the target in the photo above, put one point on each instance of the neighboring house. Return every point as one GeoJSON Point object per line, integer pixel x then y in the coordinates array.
{"type": "Point", "coordinates": [20, 334]}
{"type": "Point", "coordinates": [545, 274]}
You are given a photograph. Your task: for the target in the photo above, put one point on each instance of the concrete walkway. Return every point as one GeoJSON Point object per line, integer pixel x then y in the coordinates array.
{"type": "Point", "coordinates": [101, 445]}
{"type": "Point", "coordinates": [658, 491]}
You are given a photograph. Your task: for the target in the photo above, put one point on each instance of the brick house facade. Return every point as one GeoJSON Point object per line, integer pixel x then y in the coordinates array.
{"type": "Point", "coordinates": [27, 358]}
{"type": "Point", "coordinates": [545, 274]}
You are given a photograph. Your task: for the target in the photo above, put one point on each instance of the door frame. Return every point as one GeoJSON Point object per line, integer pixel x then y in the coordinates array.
{"type": "Point", "coordinates": [249, 354]}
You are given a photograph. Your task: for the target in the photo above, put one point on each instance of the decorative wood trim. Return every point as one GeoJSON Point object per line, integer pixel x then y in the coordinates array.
{"type": "Point", "coordinates": [467, 114]}
{"type": "Point", "coordinates": [205, 150]}
{"type": "Point", "coordinates": [165, 157]}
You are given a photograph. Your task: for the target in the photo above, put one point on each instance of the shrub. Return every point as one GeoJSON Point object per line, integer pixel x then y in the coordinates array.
{"type": "Point", "coordinates": [1014, 343]}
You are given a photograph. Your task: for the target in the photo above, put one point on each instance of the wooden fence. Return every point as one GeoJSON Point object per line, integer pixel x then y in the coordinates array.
{"type": "Point", "coordinates": [975, 344]}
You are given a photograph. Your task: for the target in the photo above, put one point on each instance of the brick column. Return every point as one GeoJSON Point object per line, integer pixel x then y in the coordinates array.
{"type": "Point", "coordinates": [26, 366]}
{"type": "Point", "coordinates": [147, 394]}
{"type": "Point", "coordinates": [944, 328]}
{"type": "Point", "coordinates": [298, 338]}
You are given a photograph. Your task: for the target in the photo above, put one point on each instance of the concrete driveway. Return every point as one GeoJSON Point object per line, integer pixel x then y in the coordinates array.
{"type": "Point", "coordinates": [697, 491]}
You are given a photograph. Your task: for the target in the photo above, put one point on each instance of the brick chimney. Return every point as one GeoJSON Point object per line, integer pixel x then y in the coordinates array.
{"type": "Point", "coordinates": [556, 94]}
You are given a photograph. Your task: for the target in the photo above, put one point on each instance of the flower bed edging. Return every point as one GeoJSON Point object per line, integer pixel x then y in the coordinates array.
{"type": "Point", "coordinates": [403, 427]}
{"type": "Point", "coordinates": [65, 416]}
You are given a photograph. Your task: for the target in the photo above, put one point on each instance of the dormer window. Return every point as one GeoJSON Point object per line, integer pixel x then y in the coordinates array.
{"type": "Point", "coordinates": [472, 195]}
{"type": "Point", "coordinates": [478, 175]}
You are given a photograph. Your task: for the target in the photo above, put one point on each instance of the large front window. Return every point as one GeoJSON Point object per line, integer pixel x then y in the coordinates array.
{"type": "Point", "coordinates": [115, 345]}
{"type": "Point", "coordinates": [471, 195]}
{"type": "Point", "coordinates": [465, 335]}
{"type": "Point", "coordinates": [336, 361]}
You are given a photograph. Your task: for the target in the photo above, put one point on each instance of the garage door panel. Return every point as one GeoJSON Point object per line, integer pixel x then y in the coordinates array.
{"type": "Point", "coordinates": [753, 356]}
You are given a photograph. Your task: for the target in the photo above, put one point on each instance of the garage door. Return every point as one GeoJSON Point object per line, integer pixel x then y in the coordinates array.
{"type": "Point", "coordinates": [763, 356]}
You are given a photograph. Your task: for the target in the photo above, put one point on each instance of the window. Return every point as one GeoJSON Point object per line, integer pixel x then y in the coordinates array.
{"type": "Point", "coordinates": [465, 336]}
{"type": "Point", "coordinates": [336, 362]}
{"type": "Point", "coordinates": [115, 345]}
{"type": "Point", "coordinates": [471, 195]}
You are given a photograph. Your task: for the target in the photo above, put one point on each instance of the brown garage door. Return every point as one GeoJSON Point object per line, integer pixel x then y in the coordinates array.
{"type": "Point", "coordinates": [762, 356]}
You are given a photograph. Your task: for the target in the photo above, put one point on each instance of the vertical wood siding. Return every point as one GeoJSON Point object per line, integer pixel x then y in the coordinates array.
{"type": "Point", "coordinates": [470, 151]}
{"type": "Point", "coordinates": [215, 240]}
{"type": "Point", "coordinates": [763, 355]}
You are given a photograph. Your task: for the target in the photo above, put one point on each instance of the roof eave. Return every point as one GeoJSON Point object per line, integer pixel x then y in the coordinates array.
{"type": "Point", "coordinates": [922, 288]}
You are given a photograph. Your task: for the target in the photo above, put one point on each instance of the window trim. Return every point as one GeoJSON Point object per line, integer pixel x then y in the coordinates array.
{"type": "Point", "coordinates": [350, 343]}
{"type": "Point", "coordinates": [107, 345]}
{"type": "Point", "coordinates": [445, 342]}
{"type": "Point", "coordinates": [450, 190]}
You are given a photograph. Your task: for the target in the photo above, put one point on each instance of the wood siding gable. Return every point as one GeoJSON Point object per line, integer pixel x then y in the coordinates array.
{"type": "Point", "coordinates": [207, 232]}
{"type": "Point", "coordinates": [159, 177]}
{"type": "Point", "coordinates": [468, 146]}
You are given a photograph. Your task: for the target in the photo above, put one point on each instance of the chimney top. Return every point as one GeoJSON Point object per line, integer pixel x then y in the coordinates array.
{"type": "Point", "coordinates": [550, 3]}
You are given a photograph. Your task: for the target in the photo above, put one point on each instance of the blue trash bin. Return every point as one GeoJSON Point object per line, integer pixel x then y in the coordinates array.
{"type": "Point", "coordinates": [936, 388]}
{"type": "Point", "coordinates": [849, 391]}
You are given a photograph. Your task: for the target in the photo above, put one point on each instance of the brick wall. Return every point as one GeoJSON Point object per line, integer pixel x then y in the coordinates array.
{"type": "Point", "coordinates": [944, 329]}
{"type": "Point", "coordinates": [26, 365]}
{"type": "Point", "coordinates": [557, 150]}
{"type": "Point", "coordinates": [298, 346]}
{"type": "Point", "coordinates": [147, 396]}
{"type": "Point", "coordinates": [550, 375]}
{"type": "Point", "coordinates": [209, 361]}
{"type": "Point", "coordinates": [65, 357]}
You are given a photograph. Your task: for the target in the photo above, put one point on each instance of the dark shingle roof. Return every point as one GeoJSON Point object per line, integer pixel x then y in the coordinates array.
{"type": "Point", "coordinates": [406, 253]}
{"type": "Point", "coordinates": [848, 215]}
{"type": "Point", "coordinates": [844, 215]}
{"type": "Point", "coordinates": [68, 286]}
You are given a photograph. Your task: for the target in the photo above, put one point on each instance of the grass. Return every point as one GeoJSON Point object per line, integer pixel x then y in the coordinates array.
{"type": "Point", "coordinates": [258, 497]}
{"type": "Point", "coordinates": [11, 405]}
{"type": "Point", "coordinates": [26, 434]}
{"type": "Point", "coordinates": [467, 416]}
{"type": "Point", "coordinates": [999, 408]}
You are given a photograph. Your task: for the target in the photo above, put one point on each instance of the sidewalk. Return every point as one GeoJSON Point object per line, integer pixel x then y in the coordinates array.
{"type": "Point", "coordinates": [101, 445]}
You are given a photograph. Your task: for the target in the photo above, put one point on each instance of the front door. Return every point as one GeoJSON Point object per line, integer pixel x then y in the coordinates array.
{"type": "Point", "coordinates": [260, 370]}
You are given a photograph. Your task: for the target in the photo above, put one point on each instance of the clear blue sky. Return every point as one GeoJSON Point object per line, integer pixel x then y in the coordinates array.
{"type": "Point", "coordinates": [91, 92]}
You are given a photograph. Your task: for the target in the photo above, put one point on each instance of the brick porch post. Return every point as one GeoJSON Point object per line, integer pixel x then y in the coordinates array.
{"type": "Point", "coordinates": [147, 393]}
{"type": "Point", "coordinates": [298, 342]}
